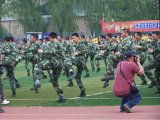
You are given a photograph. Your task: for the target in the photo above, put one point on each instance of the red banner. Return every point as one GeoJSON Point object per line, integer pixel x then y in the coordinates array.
{"type": "Point", "coordinates": [133, 26]}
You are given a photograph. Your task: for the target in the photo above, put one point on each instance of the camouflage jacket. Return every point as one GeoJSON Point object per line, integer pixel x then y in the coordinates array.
{"type": "Point", "coordinates": [80, 48]}
{"type": "Point", "coordinates": [126, 44]}
{"type": "Point", "coordinates": [54, 50]}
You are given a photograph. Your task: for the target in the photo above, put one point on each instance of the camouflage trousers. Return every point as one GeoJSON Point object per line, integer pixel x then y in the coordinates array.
{"type": "Point", "coordinates": [68, 69]}
{"type": "Point", "coordinates": [56, 65]}
{"type": "Point", "coordinates": [153, 77]}
{"type": "Point", "coordinates": [98, 57]}
{"type": "Point", "coordinates": [92, 55]}
{"type": "Point", "coordinates": [142, 61]}
{"type": "Point", "coordinates": [27, 67]}
{"type": "Point", "coordinates": [10, 63]}
{"type": "Point", "coordinates": [112, 61]}
{"type": "Point", "coordinates": [1, 90]}
{"type": "Point", "coordinates": [79, 62]}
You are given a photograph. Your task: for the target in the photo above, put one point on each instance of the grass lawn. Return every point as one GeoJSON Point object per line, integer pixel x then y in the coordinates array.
{"type": "Point", "coordinates": [96, 95]}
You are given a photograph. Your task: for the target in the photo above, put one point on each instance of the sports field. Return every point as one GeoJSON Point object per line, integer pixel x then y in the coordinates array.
{"type": "Point", "coordinates": [96, 95]}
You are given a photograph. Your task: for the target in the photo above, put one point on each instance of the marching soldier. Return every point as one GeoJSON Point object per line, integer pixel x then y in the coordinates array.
{"type": "Point", "coordinates": [53, 60]}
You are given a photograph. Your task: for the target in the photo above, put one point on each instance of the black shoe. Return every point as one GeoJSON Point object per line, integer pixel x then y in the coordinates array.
{"type": "Point", "coordinates": [44, 77]}
{"type": "Point", "coordinates": [82, 94]}
{"type": "Point", "coordinates": [70, 84]}
{"type": "Point", "coordinates": [152, 85]}
{"type": "Point", "coordinates": [13, 95]}
{"type": "Point", "coordinates": [98, 69]}
{"type": "Point", "coordinates": [144, 83]}
{"type": "Point", "coordinates": [32, 89]}
{"type": "Point", "coordinates": [87, 75]}
{"type": "Point", "coordinates": [18, 86]}
{"type": "Point", "coordinates": [106, 84]}
{"type": "Point", "coordinates": [36, 90]}
{"type": "Point", "coordinates": [107, 78]}
{"type": "Point", "coordinates": [1, 110]}
{"type": "Point", "coordinates": [61, 100]}
{"type": "Point", "coordinates": [28, 74]}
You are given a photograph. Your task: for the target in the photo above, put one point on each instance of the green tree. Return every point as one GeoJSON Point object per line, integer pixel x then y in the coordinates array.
{"type": "Point", "coordinates": [28, 13]}
{"type": "Point", "coordinates": [62, 15]}
{"type": "Point", "coordinates": [2, 30]}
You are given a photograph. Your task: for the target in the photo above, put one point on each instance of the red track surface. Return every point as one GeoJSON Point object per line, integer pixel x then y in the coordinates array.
{"type": "Point", "coordinates": [79, 113]}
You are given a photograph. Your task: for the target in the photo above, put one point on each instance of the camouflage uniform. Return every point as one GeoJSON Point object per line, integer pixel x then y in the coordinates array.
{"type": "Point", "coordinates": [154, 64]}
{"type": "Point", "coordinates": [127, 44]}
{"type": "Point", "coordinates": [141, 52]}
{"type": "Point", "coordinates": [9, 61]}
{"type": "Point", "coordinates": [92, 48]}
{"type": "Point", "coordinates": [111, 61]}
{"type": "Point", "coordinates": [25, 57]}
{"type": "Point", "coordinates": [1, 86]}
{"type": "Point", "coordinates": [1, 94]}
{"type": "Point", "coordinates": [45, 47]}
{"type": "Point", "coordinates": [69, 71]}
{"type": "Point", "coordinates": [79, 61]}
{"type": "Point", "coordinates": [32, 55]}
{"type": "Point", "coordinates": [15, 52]}
{"type": "Point", "coordinates": [53, 59]}
{"type": "Point", "coordinates": [86, 56]}
{"type": "Point", "coordinates": [101, 54]}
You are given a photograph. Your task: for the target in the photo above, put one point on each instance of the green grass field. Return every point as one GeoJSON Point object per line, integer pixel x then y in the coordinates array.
{"type": "Point", "coordinates": [96, 95]}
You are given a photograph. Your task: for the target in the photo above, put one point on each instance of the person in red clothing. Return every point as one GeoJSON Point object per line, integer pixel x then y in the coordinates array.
{"type": "Point", "coordinates": [121, 88]}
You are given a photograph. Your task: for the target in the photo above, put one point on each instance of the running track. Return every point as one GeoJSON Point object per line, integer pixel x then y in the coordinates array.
{"type": "Point", "coordinates": [80, 113]}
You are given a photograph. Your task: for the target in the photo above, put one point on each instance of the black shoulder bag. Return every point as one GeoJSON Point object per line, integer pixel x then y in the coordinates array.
{"type": "Point", "coordinates": [133, 89]}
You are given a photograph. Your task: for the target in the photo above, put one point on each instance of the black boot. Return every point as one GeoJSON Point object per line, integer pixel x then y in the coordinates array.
{"type": "Point", "coordinates": [18, 85]}
{"type": "Point", "coordinates": [87, 75]}
{"type": "Point", "coordinates": [82, 94]}
{"type": "Point", "coordinates": [106, 84]}
{"type": "Point", "coordinates": [61, 99]}
{"type": "Point", "coordinates": [153, 83]}
{"type": "Point", "coordinates": [13, 93]}
{"type": "Point", "coordinates": [144, 83]}
{"type": "Point", "coordinates": [98, 69]}
{"type": "Point", "coordinates": [70, 84]}
{"type": "Point", "coordinates": [28, 74]}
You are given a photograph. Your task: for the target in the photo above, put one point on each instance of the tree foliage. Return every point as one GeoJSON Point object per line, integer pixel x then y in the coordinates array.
{"type": "Point", "coordinates": [28, 13]}
{"type": "Point", "coordinates": [62, 15]}
{"type": "Point", "coordinates": [64, 12]}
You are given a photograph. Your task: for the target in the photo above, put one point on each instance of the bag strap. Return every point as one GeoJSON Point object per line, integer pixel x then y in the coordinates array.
{"type": "Point", "coordinates": [122, 73]}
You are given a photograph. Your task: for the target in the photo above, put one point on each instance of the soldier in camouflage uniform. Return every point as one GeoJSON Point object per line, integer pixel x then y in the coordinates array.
{"type": "Point", "coordinates": [154, 49]}
{"type": "Point", "coordinates": [127, 44]}
{"type": "Point", "coordinates": [79, 61]}
{"type": "Point", "coordinates": [141, 48]}
{"type": "Point", "coordinates": [83, 41]}
{"type": "Point", "coordinates": [1, 91]}
{"type": "Point", "coordinates": [100, 55]}
{"type": "Point", "coordinates": [24, 46]}
{"type": "Point", "coordinates": [111, 60]}
{"type": "Point", "coordinates": [31, 54]}
{"type": "Point", "coordinates": [92, 48]}
{"type": "Point", "coordinates": [44, 46]}
{"type": "Point", "coordinates": [15, 52]}
{"type": "Point", "coordinates": [9, 62]}
{"type": "Point", "coordinates": [53, 60]}
{"type": "Point", "coordinates": [68, 51]}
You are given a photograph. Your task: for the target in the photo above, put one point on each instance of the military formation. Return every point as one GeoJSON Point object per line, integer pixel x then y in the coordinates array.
{"type": "Point", "coordinates": [56, 54]}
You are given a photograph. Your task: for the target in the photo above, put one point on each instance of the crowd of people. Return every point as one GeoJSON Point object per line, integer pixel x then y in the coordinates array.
{"type": "Point", "coordinates": [56, 54]}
